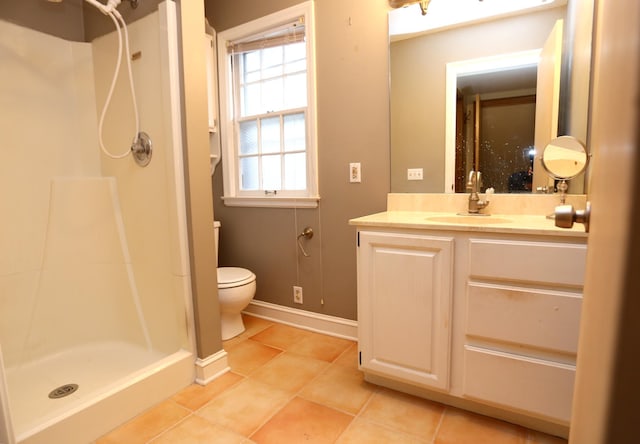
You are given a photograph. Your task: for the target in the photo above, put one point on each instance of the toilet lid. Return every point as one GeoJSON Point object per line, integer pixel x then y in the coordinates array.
{"type": "Point", "coordinates": [234, 277]}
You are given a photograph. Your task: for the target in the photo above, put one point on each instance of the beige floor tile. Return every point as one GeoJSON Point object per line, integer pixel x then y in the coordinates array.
{"type": "Point", "coordinates": [281, 336]}
{"type": "Point", "coordinates": [196, 395]}
{"type": "Point", "coordinates": [459, 426]}
{"type": "Point", "coordinates": [289, 372]}
{"type": "Point", "coordinates": [317, 346]}
{"type": "Point", "coordinates": [147, 425]}
{"type": "Point", "coordinates": [244, 407]}
{"type": "Point", "coordinates": [349, 357]}
{"type": "Point", "coordinates": [252, 325]}
{"type": "Point", "coordinates": [256, 400]}
{"type": "Point", "coordinates": [534, 437]}
{"type": "Point", "coordinates": [303, 421]}
{"type": "Point", "coordinates": [196, 430]}
{"type": "Point", "coordinates": [361, 431]}
{"type": "Point", "coordinates": [405, 413]}
{"type": "Point", "coordinates": [340, 387]}
{"type": "Point", "coordinates": [247, 356]}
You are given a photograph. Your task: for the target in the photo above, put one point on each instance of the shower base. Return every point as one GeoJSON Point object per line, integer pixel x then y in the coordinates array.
{"type": "Point", "coordinates": [115, 382]}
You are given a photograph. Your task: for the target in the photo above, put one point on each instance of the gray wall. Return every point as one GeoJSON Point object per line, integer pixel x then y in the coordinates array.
{"type": "Point", "coordinates": [73, 20]}
{"type": "Point", "coordinates": [62, 20]}
{"type": "Point", "coordinates": [353, 126]}
{"type": "Point", "coordinates": [418, 68]}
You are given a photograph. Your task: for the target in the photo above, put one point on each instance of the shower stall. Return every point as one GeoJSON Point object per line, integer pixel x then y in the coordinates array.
{"type": "Point", "coordinates": [95, 300]}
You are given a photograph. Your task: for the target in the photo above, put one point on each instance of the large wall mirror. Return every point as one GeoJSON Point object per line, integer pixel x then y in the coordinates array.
{"type": "Point", "coordinates": [467, 96]}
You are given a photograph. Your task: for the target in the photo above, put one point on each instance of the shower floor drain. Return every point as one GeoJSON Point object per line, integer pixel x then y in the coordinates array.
{"type": "Point", "coordinates": [63, 390]}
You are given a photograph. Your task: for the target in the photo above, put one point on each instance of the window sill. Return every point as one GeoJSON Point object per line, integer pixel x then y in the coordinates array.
{"type": "Point", "coordinates": [272, 202]}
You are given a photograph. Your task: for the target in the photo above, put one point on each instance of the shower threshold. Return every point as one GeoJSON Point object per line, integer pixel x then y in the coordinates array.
{"type": "Point", "coordinates": [99, 370]}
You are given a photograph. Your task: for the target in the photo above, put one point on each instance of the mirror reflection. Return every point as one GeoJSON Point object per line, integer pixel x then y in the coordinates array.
{"type": "Point", "coordinates": [564, 158]}
{"type": "Point", "coordinates": [421, 120]}
{"type": "Point", "coordinates": [493, 100]}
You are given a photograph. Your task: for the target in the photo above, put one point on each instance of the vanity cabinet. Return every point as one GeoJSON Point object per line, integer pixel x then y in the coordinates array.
{"type": "Point", "coordinates": [487, 321]}
{"type": "Point", "coordinates": [522, 317]}
{"type": "Point", "coordinates": [404, 306]}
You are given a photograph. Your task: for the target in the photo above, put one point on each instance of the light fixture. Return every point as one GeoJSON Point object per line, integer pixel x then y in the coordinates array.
{"type": "Point", "coordinates": [424, 4]}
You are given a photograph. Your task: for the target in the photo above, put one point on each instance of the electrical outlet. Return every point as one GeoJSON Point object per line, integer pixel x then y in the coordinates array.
{"type": "Point", "coordinates": [414, 174]}
{"type": "Point", "coordinates": [355, 172]}
{"type": "Point", "coordinates": [297, 294]}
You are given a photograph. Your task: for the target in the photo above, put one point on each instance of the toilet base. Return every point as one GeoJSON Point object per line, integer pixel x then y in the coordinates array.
{"type": "Point", "coordinates": [231, 325]}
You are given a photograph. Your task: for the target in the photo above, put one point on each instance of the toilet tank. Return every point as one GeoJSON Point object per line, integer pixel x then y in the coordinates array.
{"type": "Point", "coordinates": [216, 229]}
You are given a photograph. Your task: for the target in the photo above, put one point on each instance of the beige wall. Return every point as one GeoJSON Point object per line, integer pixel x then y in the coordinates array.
{"type": "Point", "coordinates": [353, 126]}
{"type": "Point", "coordinates": [418, 68]}
{"type": "Point", "coordinates": [204, 283]}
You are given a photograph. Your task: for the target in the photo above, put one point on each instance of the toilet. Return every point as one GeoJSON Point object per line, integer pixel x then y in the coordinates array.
{"type": "Point", "coordinates": [236, 288]}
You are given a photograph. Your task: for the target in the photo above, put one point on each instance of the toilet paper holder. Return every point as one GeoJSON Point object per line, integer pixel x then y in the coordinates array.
{"type": "Point", "coordinates": [307, 233]}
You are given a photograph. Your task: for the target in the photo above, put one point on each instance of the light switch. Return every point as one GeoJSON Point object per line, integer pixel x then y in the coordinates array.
{"type": "Point", "coordinates": [355, 172]}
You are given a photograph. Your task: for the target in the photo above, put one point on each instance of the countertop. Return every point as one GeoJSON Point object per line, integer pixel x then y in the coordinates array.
{"type": "Point", "coordinates": [449, 221]}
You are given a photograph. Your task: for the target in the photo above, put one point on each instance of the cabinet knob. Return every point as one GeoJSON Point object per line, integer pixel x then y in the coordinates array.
{"type": "Point", "coordinates": [566, 215]}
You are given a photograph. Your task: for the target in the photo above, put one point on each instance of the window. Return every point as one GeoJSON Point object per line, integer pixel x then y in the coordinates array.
{"type": "Point", "coordinates": [267, 92]}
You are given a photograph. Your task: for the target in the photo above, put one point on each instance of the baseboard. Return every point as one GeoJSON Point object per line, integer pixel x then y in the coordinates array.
{"type": "Point", "coordinates": [211, 367]}
{"type": "Point", "coordinates": [307, 320]}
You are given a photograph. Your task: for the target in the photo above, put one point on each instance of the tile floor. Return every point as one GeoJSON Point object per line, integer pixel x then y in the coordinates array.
{"type": "Point", "coordinates": [288, 385]}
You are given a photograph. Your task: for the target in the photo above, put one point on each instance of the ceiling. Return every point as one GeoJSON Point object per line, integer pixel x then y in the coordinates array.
{"type": "Point", "coordinates": [408, 21]}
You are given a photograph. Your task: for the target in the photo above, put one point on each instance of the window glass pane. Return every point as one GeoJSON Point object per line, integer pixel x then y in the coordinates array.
{"type": "Point", "coordinates": [295, 171]}
{"type": "Point", "coordinates": [250, 100]}
{"type": "Point", "coordinates": [251, 62]}
{"type": "Point", "coordinates": [295, 88]}
{"type": "Point", "coordinates": [270, 134]}
{"type": "Point", "coordinates": [297, 66]}
{"type": "Point", "coordinates": [272, 95]}
{"type": "Point", "coordinates": [295, 58]}
{"type": "Point", "coordinates": [294, 132]}
{"type": "Point", "coordinates": [294, 52]}
{"type": "Point", "coordinates": [249, 173]}
{"type": "Point", "coordinates": [272, 57]}
{"type": "Point", "coordinates": [252, 76]}
{"type": "Point", "coordinates": [248, 135]}
{"type": "Point", "coordinates": [271, 174]}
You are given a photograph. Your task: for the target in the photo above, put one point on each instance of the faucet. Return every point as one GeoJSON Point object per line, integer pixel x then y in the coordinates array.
{"type": "Point", "coordinates": [475, 204]}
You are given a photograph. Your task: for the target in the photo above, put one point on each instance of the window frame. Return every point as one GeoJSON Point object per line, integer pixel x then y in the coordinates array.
{"type": "Point", "coordinates": [233, 195]}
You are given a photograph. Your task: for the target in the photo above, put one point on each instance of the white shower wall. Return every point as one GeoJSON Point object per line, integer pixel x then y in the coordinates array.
{"type": "Point", "coordinates": [51, 94]}
{"type": "Point", "coordinates": [47, 128]}
{"type": "Point", "coordinates": [151, 197]}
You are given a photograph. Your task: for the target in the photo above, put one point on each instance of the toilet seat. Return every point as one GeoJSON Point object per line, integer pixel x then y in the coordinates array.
{"type": "Point", "coordinates": [229, 277]}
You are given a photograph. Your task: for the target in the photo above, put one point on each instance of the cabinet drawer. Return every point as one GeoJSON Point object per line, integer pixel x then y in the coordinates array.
{"type": "Point", "coordinates": [538, 318]}
{"type": "Point", "coordinates": [540, 387]}
{"type": "Point", "coordinates": [542, 262]}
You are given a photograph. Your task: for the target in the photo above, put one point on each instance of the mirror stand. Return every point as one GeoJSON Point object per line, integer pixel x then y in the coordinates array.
{"type": "Point", "coordinates": [563, 159]}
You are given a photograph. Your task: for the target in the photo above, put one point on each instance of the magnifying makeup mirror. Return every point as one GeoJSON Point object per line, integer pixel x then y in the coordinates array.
{"type": "Point", "coordinates": [564, 158]}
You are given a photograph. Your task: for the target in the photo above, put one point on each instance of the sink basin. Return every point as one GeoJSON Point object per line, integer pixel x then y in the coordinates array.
{"type": "Point", "coordinates": [469, 220]}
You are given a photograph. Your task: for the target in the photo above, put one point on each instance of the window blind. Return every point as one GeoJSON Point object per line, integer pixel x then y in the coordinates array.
{"type": "Point", "coordinates": [288, 33]}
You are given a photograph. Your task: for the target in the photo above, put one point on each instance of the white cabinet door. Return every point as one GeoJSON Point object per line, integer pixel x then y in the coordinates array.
{"type": "Point", "coordinates": [404, 306]}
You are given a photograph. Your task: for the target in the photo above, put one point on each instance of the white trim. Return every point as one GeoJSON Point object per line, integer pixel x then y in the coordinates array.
{"type": "Point", "coordinates": [229, 162]}
{"type": "Point", "coordinates": [7, 435]}
{"type": "Point", "coordinates": [307, 320]}
{"type": "Point", "coordinates": [211, 367]}
{"type": "Point", "coordinates": [275, 202]}
{"type": "Point", "coordinates": [468, 67]}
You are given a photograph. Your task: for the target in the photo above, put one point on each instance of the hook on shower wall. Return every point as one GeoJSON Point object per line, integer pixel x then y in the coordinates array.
{"type": "Point", "coordinates": [307, 233]}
